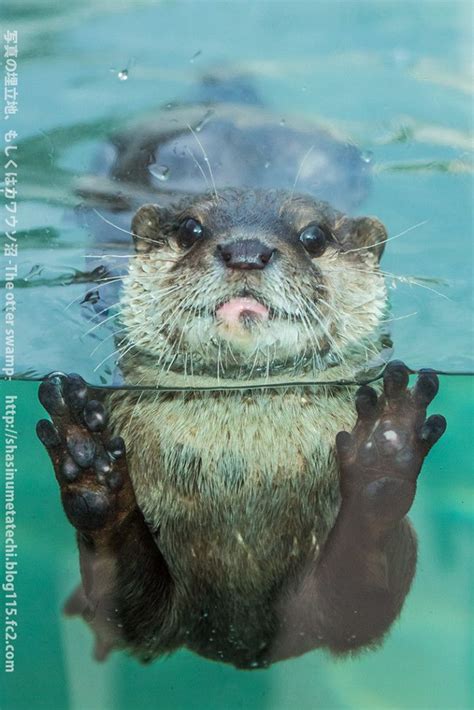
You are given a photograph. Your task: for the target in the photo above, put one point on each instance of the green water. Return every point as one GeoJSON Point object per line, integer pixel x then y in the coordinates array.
{"type": "Point", "coordinates": [426, 662]}
{"type": "Point", "coordinates": [395, 78]}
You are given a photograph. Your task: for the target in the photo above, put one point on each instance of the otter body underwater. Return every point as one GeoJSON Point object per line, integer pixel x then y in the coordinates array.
{"type": "Point", "coordinates": [243, 522]}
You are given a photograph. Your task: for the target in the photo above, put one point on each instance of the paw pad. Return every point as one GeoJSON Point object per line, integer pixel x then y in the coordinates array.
{"type": "Point", "coordinates": [90, 468]}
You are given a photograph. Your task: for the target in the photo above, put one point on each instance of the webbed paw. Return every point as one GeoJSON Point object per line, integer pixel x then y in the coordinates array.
{"type": "Point", "coordinates": [381, 459]}
{"type": "Point", "coordinates": [91, 468]}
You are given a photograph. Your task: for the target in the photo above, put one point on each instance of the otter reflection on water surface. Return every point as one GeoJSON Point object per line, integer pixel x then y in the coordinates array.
{"type": "Point", "coordinates": [247, 524]}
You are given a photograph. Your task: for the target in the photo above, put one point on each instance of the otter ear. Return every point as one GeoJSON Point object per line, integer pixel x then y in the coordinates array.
{"type": "Point", "coordinates": [146, 228]}
{"type": "Point", "coordinates": [369, 232]}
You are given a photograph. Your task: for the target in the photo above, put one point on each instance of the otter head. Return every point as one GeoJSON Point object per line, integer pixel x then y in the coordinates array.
{"type": "Point", "coordinates": [251, 281]}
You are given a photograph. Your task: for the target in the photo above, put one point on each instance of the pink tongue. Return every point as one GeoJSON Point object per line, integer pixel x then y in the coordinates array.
{"type": "Point", "coordinates": [231, 311]}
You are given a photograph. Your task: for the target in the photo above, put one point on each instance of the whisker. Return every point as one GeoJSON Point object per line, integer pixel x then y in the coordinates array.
{"type": "Point", "coordinates": [97, 285]}
{"type": "Point", "coordinates": [129, 256]}
{"type": "Point", "coordinates": [110, 256]}
{"type": "Point", "coordinates": [118, 350]}
{"type": "Point", "coordinates": [112, 335]}
{"type": "Point", "coordinates": [410, 280]}
{"type": "Point", "coordinates": [389, 239]}
{"type": "Point", "coordinates": [104, 310]}
{"type": "Point", "coordinates": [121, 229]}
{"type": "Point", "coordinates": [198, 164]}
{"type": "Point", "coordinates": [206, 160]}
{"type": "Point", "coordinates": [305, 157]}
{"type": "Point", "coordinates": [98, 325]}
{"type": "Point", "coordinates": [391, 320]}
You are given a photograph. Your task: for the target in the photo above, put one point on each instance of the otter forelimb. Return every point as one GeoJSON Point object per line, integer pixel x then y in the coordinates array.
{"type": "Point", "coordinates": [352, 595]}
{"type": "Point", "coordinates": [125, 582]}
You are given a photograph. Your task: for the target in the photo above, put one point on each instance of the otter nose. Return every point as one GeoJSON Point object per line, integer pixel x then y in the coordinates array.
{"type": "Point", "coordinates": [245, 254]}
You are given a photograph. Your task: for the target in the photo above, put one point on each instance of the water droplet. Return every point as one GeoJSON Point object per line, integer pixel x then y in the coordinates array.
{"type": "Point", "coordinates": [161, 172]}
{"type": "Point", "coordinates": [367, 156]}
{"type": "Point", "coordinates": [195, 56]}
{"type": "Point", "coordinates": [267, 164]}
{"type": "Point", "coordinates": [123, 75]}
{"type": "Point", "coordinates": [282, 122]}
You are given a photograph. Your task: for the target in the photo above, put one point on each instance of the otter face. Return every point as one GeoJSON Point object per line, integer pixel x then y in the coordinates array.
{"type": "Point", "coordinates": [258, 280]}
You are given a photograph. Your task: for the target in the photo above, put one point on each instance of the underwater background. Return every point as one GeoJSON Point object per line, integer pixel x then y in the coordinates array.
{"type": "Point", "coordinates": [396, 79]}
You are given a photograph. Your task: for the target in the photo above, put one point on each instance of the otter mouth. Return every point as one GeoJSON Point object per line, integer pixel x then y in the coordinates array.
{"type": "Point", "coordinates": [244, 309]}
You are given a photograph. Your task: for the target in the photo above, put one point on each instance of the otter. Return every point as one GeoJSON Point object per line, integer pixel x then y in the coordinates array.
{"type": "Point", "coordinates": [239, 504]}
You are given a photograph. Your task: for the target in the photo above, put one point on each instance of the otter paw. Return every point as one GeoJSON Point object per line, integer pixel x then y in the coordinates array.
{"type": "Point", "coordinates": [90, 467]}
{"type": "Point", "coordinates": [380, 460]}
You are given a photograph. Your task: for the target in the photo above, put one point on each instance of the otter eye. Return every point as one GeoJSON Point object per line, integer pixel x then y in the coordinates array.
{"type": "Point", "coordinates": [314, 240]}
{"type": "Point", "coordinates": [190, 230]}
